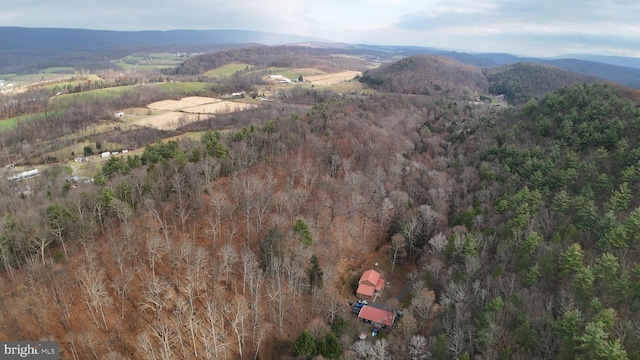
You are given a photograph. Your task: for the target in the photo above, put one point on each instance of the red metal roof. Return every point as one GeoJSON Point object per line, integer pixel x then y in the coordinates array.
{"type": "Point", "coordinates": [376, 315]}
{"type": "Point", "coordinates": [370, 276]}
{"type": "Point", "coordinates": [365, 289]}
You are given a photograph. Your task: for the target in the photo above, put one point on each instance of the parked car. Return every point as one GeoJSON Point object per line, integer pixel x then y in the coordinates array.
{"type": "Point", "coordinates": [375, 331]}
{"type": "Point", "coordinates": [364, 302]}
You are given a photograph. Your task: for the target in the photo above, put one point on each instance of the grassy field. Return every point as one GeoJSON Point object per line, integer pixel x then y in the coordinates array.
{"type": "Point", "coordinates": [11, 123]}
{"type": "Point", "coordinates": [151, 61]}
{"type": "Point", "coordinates": [293, 73]}
{"type": "Point", "coordinates": [58, 70]}
{"type": "Point", "coordinates": [90, 77]}
{"type": "Point", "coordinates": [228, 70]}
{"type": "Point", "coordinates": [183, 86]}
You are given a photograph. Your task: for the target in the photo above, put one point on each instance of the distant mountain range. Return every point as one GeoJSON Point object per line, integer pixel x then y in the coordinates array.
{"type": "Point", "coordinates": [622, 70]}
{"type": "Point", "coordinates": [19, 39]}
{"type": "Point", "coordinates": [28, 50]}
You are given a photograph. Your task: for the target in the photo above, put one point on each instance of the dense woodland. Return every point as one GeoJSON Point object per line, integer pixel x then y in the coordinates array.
{"type": "Point", "coordinates": [515, 230]}
{"type": "Point", "coordinates": [523, 81]}
{"type": "Point", "coordinates": [428, 75]}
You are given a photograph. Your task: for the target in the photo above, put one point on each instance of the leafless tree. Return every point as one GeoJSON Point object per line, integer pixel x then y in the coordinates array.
{"type": "Point", "coordinates": [418, 348]}
{"type": "Point", "coordinates": [155, 295]}
{"type": "Point", "coordinates": [384, 214]}
{"type": "Point", "coordinates": [213, 333]}
{"type": "Point", "coordinates": [220, 205]}
{"type": "Point", "coordinates": [124, 212]}
{"type": "Point", "coordinates": [180, 188]}
{"type": "Point", "coordinates": [156, 249]}
{"type": "Point", "coordinates": [93, 278]}
{"type": "Point", "coordinates": [254, 277]}
{"type": "Point", "coordinates": [158, 216]}
{"type": "Point", "coordinates": [146, 346]}
{"type": "Point", "coordinates": [362, 349]}
{"type": "Point", "coordinates": [411, 230]}
{"type": "Point", "coordinates": [229, 257]}
{"type": "Point", "coordinates": [239, 314]}
{"type": "Point", "coordinates": [310, 174]}
{"type": "Point", "coordinates": [423, 304]}
{"type": "Point", "coordinates": [438, 242]}
{"type": "Point", "coordinates": [380, 350]}
{"type": "Point", "coordinates": [40, 241]}
{"type": "Point", "coordinates": [397, 251]}
{"type": "Point", "coordinates": [276, 294]}
{"type": "Point", "coordinates": [210, 171]}
{"type": "Point", "coordinates": [165, 333]}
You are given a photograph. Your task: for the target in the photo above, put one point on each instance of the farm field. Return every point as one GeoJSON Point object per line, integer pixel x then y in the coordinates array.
{"type": "Point", "coordinates": [171, 114]}
{"type": "Point", "coordinates": [151, 61]}
{"type": "Point", "coordinates": [167, 120]}
{"type": "Point", "coordinates": [332, 79]}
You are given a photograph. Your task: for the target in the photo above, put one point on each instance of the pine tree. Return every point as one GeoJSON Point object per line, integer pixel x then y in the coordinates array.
{"type": "Point", "coordinates": [314, 272]}
{"type": "Point", "coordinates": [305, 345]}
{"type": "Point", "coordinates": [571, 260]}
{"type": "Point", "coordinates": [330, 347]}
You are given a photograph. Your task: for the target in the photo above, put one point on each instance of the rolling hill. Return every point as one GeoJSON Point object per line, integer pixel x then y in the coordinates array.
{"type": "Point", "coordinates": [522, 81]}
{"type": "Point", "coordinates": [441, 76]}
{"type": "Point", "coordinates": [428, 75]}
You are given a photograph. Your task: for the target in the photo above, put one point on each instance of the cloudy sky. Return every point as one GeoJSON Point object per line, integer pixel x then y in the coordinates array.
{"type": "Point", "coordinates": [521, 27]}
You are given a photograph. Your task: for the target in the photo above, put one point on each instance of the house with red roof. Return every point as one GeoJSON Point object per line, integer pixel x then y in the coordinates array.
{"type": "Point", "coordinates": [370, 285]}
{"type": "Point", "coordinates": [377, 317]}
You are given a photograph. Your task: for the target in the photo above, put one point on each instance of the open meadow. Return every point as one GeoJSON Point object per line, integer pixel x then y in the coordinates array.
{"type": "Point", "coordinates": [333, 78]}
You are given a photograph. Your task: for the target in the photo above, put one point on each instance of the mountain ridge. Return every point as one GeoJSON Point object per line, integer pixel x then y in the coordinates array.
{"type": "Point", "coordinates": [27, 50]}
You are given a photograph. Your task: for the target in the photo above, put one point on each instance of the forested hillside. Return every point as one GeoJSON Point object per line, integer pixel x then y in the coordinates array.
{"type": "Point", "coordinates": [502, 233]}
{"type": "Point", "coordinates": [440, 77]}
{"type": "Point", "coordinates": [198, 249]}
{"type": "Point", "coordinates": [428, 75]}
{"type": "Point", "coordinates": [276, 56]}
{"type": "Point", "coordinates": [523, 81]}
{"type": "Point", "coordinates": [554, 227]}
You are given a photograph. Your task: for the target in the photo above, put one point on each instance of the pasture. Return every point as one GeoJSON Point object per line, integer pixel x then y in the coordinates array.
{"type": "Point", "coordinates": [149, 61]}
{"type": "Point", "coordinates": [332, 78]}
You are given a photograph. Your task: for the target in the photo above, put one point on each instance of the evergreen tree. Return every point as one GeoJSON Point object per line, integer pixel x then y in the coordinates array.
{"type": "Point", "coordinates": [314, 272]}
{"type": "Point", "coordinates": [305, 345]}
{"type": "Point", "coordinates": [302, 229]}
{"type": "Point", "coordinates": [571, 260]}
{"type": "Point", "coordinates": [330, 347]}
{"type": "Point", "coordinates": [594, 344]}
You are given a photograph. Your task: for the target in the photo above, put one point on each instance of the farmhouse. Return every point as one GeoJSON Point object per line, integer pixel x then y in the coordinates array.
{"type": "Point", "coordinates": [370, 285]}
{"type": "Point", "coordinates": [377, 317]}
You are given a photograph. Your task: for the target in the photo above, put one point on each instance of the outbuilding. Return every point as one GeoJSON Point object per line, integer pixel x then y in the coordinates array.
{"type": "Point", "coordinates": [377, 317]}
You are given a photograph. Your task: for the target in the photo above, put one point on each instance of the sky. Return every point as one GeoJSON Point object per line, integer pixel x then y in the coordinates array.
{"type": "Point", "coordinates": [542, 28]}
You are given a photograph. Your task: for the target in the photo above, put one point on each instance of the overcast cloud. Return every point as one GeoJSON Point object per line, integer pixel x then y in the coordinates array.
{"type": "Point", "coordinates": [521, 27]}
